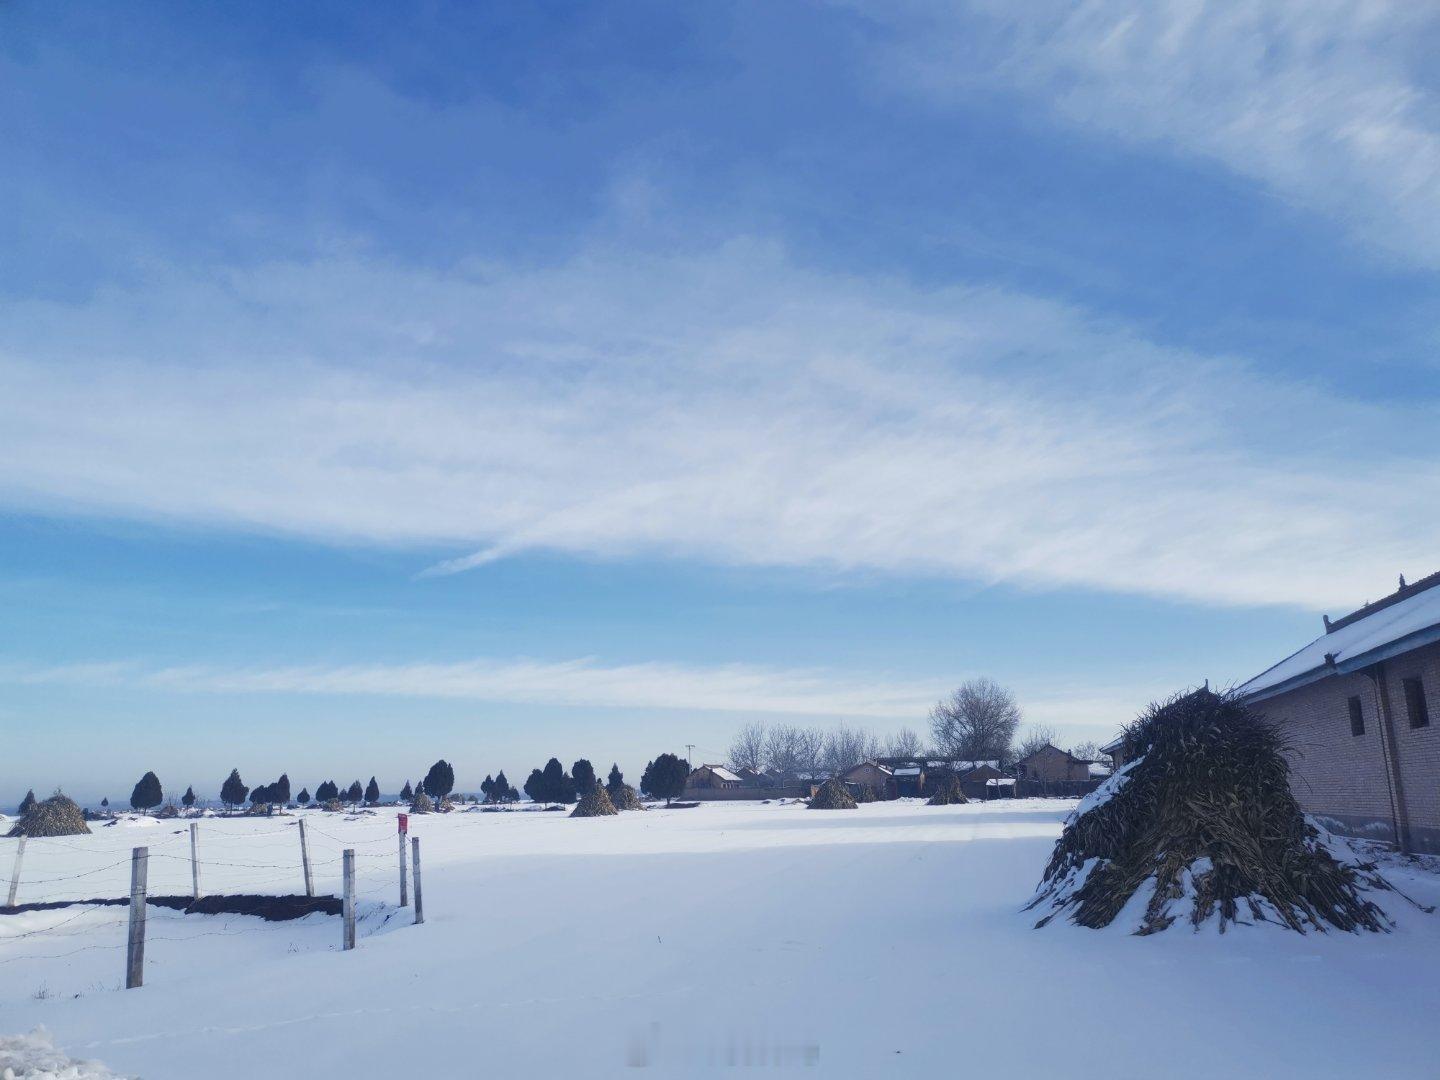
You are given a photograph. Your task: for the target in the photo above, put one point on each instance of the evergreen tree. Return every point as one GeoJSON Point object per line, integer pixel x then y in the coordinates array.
{"type": "Point", "coordinates": [665, 777]}
{"type": "Point", "coordinates": [281, 789]}
{"type": "Point", "coordinates": [147, 793]}
{"type": "Point", "coordinates": [440, 780]}
{"type": "Point", "coordinates": [28, 802]}
{"type": "Point", "coordinates": [105, 802]}
{"type": "Point", "coordinates": [559, 786]}
{"type": "Point", "coordinates": [188, 798]}
{"type": "Point", "coordinates": [261, 794]}
{"type": "Point", "coordinates": [233, 791]}
{"type": "Point", "coordinates": [372, 792]}
{"type": "Point", "coordinates": [407, 793]}
{"type": "Point", "coordinates": [503, 791]}
{"type": "Point", "coordinates": [535, 786]}
{"type": "Point", "coordinates": [304, 797]}
{"type": "Point", "coordinates": [616, 780]}
{"type": "Point", "coordinates": [356, 792]}
{"type": "Point", "coordinates": [584, 774]}
{"type": "Point", "coordinates": [487, 786]}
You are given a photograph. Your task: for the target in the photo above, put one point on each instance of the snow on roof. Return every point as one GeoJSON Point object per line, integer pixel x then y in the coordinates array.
{"type": "Point", "coordinates": [723, 773]}
{"type": "Point", "coordinates": [1097, 770]}
{"type": "Point", "coordinates": [1351, 640]}
{"type": "Point", "coordinates": [1003, 781]}
{"type": "Point", "coordinates": [910, 770]}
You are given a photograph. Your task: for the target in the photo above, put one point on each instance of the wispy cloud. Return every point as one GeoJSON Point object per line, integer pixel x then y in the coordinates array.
{"type": "Point", "coordinates": [721, 404]}
{"type": "Point", "coordinates": [1329, 104]}
{"type": "Point", "coordinates": [583, 682]}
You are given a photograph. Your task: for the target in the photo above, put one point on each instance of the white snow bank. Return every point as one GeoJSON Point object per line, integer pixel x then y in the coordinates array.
{"type": "Point", "coordinates": [34, 1057]}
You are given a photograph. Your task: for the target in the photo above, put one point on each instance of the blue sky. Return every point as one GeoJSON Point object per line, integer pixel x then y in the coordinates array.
{"type": "Point", "coordinates": [495, 382]}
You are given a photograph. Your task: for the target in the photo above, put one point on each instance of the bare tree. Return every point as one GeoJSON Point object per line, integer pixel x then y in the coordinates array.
{"type": "Point", "coordinates": [748, 749]}
{"type": "Point", "coordinates": [905, 744]}
{"type": "Point", "coordinates": [976, 723]}
{"type": "Point", "coordinates": [782, 750]}
{"type": "Point", "coordinates": [1090, 751]}
{"type": "Point", "coordinates": [811, 746]}
{"type": "Point", "coordinates": [1037, 737]}
{"type": "Point", "coordinates": [845, 748]}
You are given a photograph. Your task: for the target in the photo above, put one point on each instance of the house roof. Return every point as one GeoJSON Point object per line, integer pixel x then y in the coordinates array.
{"type": "Point", "coordinates": [1404, 620]}
{"type": "Point", "coordinates": [1098, 771]}
{"type": "Point", "coordinates": [720, 772]}
{"type": "Point", "coordinates": [873, 764]}
{"type": "Point", "coordinates": [1051, 746]}
{"type": "Point", "coordinates": [909, 770]}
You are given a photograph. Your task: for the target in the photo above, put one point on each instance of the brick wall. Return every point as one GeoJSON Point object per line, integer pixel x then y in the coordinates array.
{"type": "Point", "coordinates": [1418, 749]}
{"type": "Point", "coordinates": [1340, 777]}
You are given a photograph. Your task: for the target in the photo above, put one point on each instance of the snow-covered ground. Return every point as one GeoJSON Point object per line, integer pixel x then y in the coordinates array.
{"type": "Point", "coordinates": [887, 940]}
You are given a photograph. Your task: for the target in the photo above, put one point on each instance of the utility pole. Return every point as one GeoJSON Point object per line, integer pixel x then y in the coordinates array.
{"type": "Point", "coordinates": [690, 753]}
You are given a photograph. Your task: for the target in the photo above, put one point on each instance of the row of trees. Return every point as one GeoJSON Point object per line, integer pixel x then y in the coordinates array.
{"type": "Point", "coordinates": [790, 750]}
{"type": "Point", "coordinates": [664, 778]}
{"type": "Point", "coordinates": [980, 721]}
{"type": "Point", "coordinates": [149, 793]}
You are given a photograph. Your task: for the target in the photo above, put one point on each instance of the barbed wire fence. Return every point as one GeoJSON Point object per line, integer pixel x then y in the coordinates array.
{"type": "Point", "coordinates": [202, 872]}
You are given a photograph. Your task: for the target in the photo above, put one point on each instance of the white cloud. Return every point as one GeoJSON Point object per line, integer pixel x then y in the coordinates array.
{"type": "Point", "coordinates": [1325, 102]}
{"type": "Point", "coordinates": [723, 404]}
{"type": "Point", "coordinates": [581, 682]}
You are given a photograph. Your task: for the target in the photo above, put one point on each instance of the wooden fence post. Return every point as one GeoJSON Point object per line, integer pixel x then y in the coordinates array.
{"type": "Point", "coordinates": [15, 874]}
{"type": "Point", "coordinates": [349, 905]}
{"type": "Point", "coordinates": [194, 860]}
{"type": "Point", "coordinates": [419, 903]}
{"type": "Point", "coordinates": [135, 948]}
{"type": "Point", "coordinates": [402, 823]}
{"type": "Point", "coordinates": [305, 860]}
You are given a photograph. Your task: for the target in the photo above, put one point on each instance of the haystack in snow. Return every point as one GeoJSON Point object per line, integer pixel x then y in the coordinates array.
{"type": "Point", "coordinates": [594, 803]}
{"type": "Point", "coordinates": [948, 793]}
{"type": "Point", "coordinates": [56, 816]}
{"type": "Point", "coordinates": [1200, 824]}
{"type": "Point", "coordinates": [422, 804]}
{"type": "Point", "coordinates": [624, 798]}
{"type": "Point", "coordinates": [833, 795]}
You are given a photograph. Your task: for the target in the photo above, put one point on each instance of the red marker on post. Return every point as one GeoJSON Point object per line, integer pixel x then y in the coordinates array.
{"type": "Point", "coordinates": [403, 821]}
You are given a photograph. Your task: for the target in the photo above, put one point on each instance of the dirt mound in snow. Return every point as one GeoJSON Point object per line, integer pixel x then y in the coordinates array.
{"type": "Point", "coordinates": [56, 816]}
{"type": "Point", "coordinates": [269, 908]}
{"type": "Point", "coordinates": [948, 794]}
{"type": "Point", "coordinates": [624, 798]}
{"type": "Point", "coordinates": [833, 795]}
{"type": "Point", "coordinates": [1200, 824]}
{"type": "Point", "coordinates": [595, 803]}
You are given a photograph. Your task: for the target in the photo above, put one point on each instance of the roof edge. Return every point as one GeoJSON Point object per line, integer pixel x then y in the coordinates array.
{"type": "Point", "coordinates": [1417, 640]}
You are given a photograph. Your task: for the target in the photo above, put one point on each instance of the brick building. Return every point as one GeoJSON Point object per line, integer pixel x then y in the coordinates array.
{"type": "Point", "coordinates": [1052, 765]}
{"type": "Point", "coordinates": [880, 779]}
{"type": "Point", "coordinates": [1356, 707]}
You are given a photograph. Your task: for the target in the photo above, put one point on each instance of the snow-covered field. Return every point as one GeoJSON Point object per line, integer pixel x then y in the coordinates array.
{"type": "Point", "coordinates": [882, 941]}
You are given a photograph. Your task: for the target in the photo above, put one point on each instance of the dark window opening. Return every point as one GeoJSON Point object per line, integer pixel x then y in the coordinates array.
{"type": "Point", "coordinates": [1415, 702]}
{"type": "Point", "coordinates": [1357, 717]}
